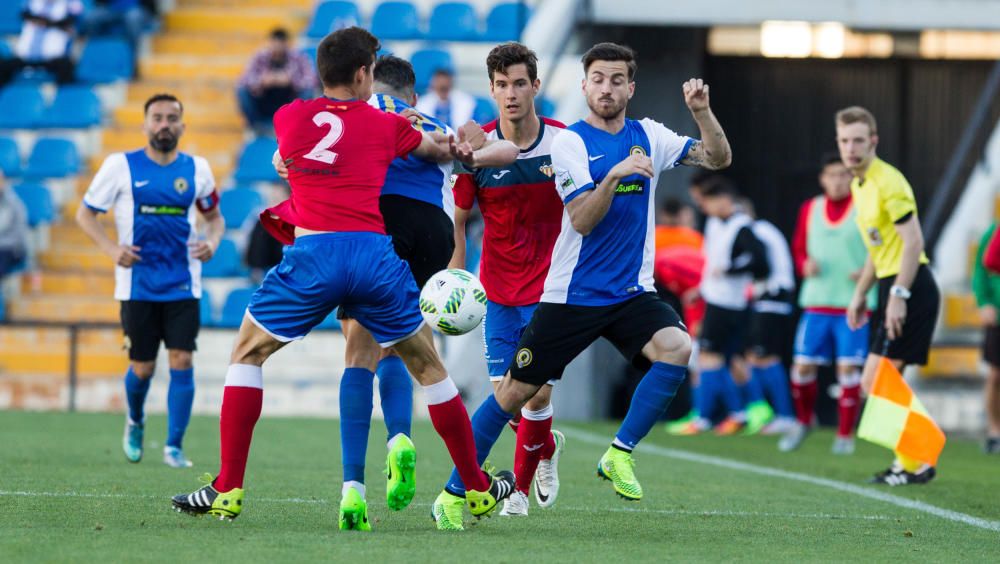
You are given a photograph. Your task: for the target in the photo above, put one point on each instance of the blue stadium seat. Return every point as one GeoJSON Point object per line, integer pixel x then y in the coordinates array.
{"type": "Point", "coordinates": [5, 52]}
{"type": "Point", "coordinates": [396, 20]}
{"type": "Point", "coordinates": [10, 159]}
{"type": "Point", "coordinates": [255, 162]}
{"type": "Point", "coordinates": [331, 16]}
{"type": "Point", "coordinates": [23, 107]}
{"type": "Point", "coordinates": [52, 158]}
{"type": "Point", "coordinates": [105, 60]}
{"type": "Point", "coordinates": [73, 107]}
{"type": "Point", "coordinates": [225, 263]}
{"type": "Point", "coordinates": [205, 309]}
{"type": "Point", "coordinates": [485, 110]}
{"type": "Point", "coordinates": [237, 204]}
{"type": "Point", "coordinates": [330, 323]}
{"type": "Point", "coordinates": [235, 307]}
{"type": "Point", "coordinates": [506, 21]}
{"type": "Point", "coordinates": [425, 62]}
{"type": "Point", "coordinates": [545, 107]}
{"type": "Point", "coordinates": [453, 21]}
{"type": "Point", "coordinates": [38, 201]}
{"type": "Point", "coordinates": [10, 17]}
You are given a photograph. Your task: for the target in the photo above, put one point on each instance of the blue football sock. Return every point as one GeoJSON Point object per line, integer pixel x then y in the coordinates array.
{"type": "Point", "coordinates": [709, 392]}
{"type": "Point", "coordinates": [778, 391]}
{"type": "Point", "coordinates": [696, 400]}
{"type": "Point", "coordinates": [752, 391]}
{"type": "Point", "coordinates": [651, 398]}
{"type": "Point", "coordinates": [180, 397]}
{"type": "Point", "coordinates": [487, 424]}
{"type": "Point", "coordinates": [730, 393]}
{"type": "Point", "coordinates": [135, 392]}
{"type": "Point", "coordinates": [395, 389]}
{"type": "Point", "coordinates": [355, 420]}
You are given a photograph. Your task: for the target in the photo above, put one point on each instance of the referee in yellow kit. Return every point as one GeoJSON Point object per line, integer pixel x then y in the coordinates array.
{"type": "Point", "coordinates": [908, 296]}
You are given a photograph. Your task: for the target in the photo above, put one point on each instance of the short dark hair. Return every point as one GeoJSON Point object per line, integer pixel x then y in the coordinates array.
{"type": "Point", "coordinates": [719, 185]}
{"type": "Point", "coordinates": [672, 206]}
{"type": "Point", "coordinates": [700, 177]}
{"type": "Point", "coordinates": [396, 73]}
{"type": "Point", "coordinates": [343, 52]}
{"type": "Point", "coordinates": [162, 97]}
{"type": "Point", "coordinates": [611, 52]}
{"type": "Point", "coordinates": [279, 33]}
{"type": "Point", "coordinates": [506, 55]}
{"type": "Point", "coordinates": [829, 158]}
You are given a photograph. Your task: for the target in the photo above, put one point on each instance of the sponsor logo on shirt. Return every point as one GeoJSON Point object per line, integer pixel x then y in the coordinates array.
{"type": "Point", "coordinates": [632, 188]}
{"type": "Point", "coordinates": [146, 209]}
{"type": "Point", "coordinates": [500, 174]}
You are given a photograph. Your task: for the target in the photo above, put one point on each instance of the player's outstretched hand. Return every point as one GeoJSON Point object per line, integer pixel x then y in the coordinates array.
{"type": "Point", "coordinates": [126, 255]}
{"type": "Point", "coordinates": [461, 150]}
{"type": "Point", "coordinates": [635, 164]}
{"type": "Point", "coordinates": [412, 115]}
{"type": "Point", "coordinates": [202, 250]}
{"type": "Point", "coordinates": [473, 134]}
{"type": "Point", "coordinates": [696, 94]}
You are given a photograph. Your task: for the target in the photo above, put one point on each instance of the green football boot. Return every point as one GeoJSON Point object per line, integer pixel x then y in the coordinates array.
{"type": "Point", "coordinates": [759, 414]}
{"type": "Point", "coordinates": [209, 501]}
{"type": "Point", "coordinates": [447, 511]}
{"type": "Point", "coordinates": [678, 426]}
{"type": "Point", "coordinates": [132, 440]}
{"type": "Point", "coordinates": [400, 467]}
{"type": "Point", "coordinates": [618, 467]}
{"type": "Point", "coordinates": [482, 504]}
{"type": "Point", "coordinates": [354, 512]}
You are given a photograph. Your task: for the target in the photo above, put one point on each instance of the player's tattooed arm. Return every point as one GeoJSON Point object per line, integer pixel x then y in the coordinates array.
{"type": "Point", "coordinates": [712, 151]}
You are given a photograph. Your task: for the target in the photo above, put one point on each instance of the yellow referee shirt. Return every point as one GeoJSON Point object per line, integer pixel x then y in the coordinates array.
{"type": "Point", "coordinates": [881, 200]}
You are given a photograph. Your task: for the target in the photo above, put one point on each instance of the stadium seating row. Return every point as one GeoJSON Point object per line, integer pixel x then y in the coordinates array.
{"type": "Point", "coordinates": [51, 157]}
{"type": "Point", "coordinates": [400, 20]}
{"type": "Point", "coordinates": [103, 61]}
{"type": "Point", "coordinates": [74, 106]}
{"type": "Point", "coordinates": [235, 305]}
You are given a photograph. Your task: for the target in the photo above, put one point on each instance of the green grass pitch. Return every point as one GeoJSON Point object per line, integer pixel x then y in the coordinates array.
{"type": "Point", "coordinates": [67, 494]}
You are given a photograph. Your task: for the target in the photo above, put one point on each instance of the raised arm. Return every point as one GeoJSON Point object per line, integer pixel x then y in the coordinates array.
{"type": "Point", "coordinates": [712, 150]}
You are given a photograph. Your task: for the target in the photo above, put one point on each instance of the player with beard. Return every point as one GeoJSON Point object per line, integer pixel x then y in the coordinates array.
{"type": "Point", "coordinates": [600, 282]}
{"type": "Point", "coordinates": [155, 193]}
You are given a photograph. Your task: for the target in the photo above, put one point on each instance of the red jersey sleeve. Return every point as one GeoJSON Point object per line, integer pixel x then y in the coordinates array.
{"type": "Point", "coordinates": [407, 138]}
{"type": "Point", "coordinates": [799, 248]}
{"type": "Point", "coordinates": [465, 190]}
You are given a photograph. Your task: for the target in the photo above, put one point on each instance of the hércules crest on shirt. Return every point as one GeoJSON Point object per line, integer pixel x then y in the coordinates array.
{"type": "Point", "coordinates": [181, 185]}
{"type": "Point", "coordinates": [637, 150]}
{"type": "Point", "coordinates": [547, 170]}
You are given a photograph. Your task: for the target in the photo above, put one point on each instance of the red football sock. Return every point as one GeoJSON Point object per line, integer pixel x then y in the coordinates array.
{"type": "Point", "coordinates": [804, 396]}
{"type": "Point", "coordinates": [240, 411]}
{"type": "Point", "coordinates": [532, 437]}
{"type": "Point", "coordinates": [451, 422]}
{"type": "Point", "coordinates": [847, 408]}
{"type": "Point", "coordinates": [513, 423]}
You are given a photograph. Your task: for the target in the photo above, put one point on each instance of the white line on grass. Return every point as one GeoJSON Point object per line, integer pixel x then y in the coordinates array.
{"type": "Point", "coordinates": [795, 476]}
{"type": "Point", "coordinates": [294, 500]}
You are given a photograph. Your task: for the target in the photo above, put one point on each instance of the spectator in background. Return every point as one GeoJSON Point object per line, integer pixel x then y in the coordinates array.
{"type": "Point", "coordinates": [679, 257]}
{"type": "Point", "coordinates": [986, 287]}
{"type": "Point", "coordinates": [444, 102]}
{"type": "Point", "coordinates": [45, 40]}
{"type": "Point", "coordinates": [108, 15]}
{"type": "Point", "coordinates": [13, 228]}
{"type": "Point", "coordinates": [275, 76]}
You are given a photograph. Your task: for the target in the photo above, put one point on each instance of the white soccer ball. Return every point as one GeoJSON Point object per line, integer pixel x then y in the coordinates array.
{"type": "Point", "coordinates": [453, 301]}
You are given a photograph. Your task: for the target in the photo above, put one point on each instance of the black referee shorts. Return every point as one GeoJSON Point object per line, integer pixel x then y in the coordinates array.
{"type": "Point", "coordinates": [146, 324]}
{"type": "Point", "coordinates": [558, 333]}
{"type": "Point", "coordinates": [921, 318]}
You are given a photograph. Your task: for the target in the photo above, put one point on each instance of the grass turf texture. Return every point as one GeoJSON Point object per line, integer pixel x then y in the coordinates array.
{"type": "Point", "coordinates": [66, 493]}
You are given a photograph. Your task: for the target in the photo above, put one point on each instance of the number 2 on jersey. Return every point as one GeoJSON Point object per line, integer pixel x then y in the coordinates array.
{"type": "Point", "coordinates": [321, 152]}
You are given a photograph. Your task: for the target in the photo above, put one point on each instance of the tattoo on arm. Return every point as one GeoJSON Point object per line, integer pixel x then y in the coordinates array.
{"type": "Point", "coordinates": [695, 156]}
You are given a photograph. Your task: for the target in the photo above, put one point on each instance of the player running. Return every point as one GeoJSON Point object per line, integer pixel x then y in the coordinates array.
{"type": "Point", "coordinates": [337, 149]}
{"type": "Point", "coordinates": [829, 255]}
{"type": "Point", "coordinates": [600, 282]}
{"type": "Point", "coordinates": [154, 193]}
{"type": "Point", "coordinates": [908, 296]}
{"type": "Point", "coordinates": [522, 216]}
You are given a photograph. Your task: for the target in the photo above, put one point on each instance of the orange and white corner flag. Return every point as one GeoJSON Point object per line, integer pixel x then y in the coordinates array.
{"type": "Point", "coordinates": [895, 418]}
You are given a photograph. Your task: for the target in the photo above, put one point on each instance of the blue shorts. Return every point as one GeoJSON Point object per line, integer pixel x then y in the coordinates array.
{"type": "Point", "coordinates": [359, 271]}
{"type": "Point", "coordinates": [502, 330]}
{"type": "Point", "coordinates": [822, 335]}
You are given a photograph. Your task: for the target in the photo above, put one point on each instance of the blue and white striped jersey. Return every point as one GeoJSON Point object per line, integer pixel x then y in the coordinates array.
{"type": "Point", "coordinates": [614, 262]}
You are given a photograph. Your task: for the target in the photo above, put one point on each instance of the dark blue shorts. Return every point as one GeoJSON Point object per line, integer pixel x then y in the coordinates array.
{"type": "Point", "coordinates": [824, 336]}
{"type": "Point", "coordinates": [502, 330]}
{"type": "Point", "coordinates": [359, 271]}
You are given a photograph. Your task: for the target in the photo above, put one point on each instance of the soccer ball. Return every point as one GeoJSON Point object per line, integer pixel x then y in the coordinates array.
{"type": "Point", "coordinates": [453, 301]}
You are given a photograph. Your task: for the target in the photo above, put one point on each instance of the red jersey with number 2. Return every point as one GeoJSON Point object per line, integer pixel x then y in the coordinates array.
{"type": "Point", "coordinates": [337, 154]}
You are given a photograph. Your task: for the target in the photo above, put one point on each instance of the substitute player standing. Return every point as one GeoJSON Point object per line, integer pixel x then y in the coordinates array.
{"type": "Point", "coordinates": [155, 193]}
{"type": "Point", "coordinates": [522, 215]}
{"type": "Point", "coordinates": [337, 149]}
{"type": "Point", "coordinates": [829, 255]}
{"type": "Point", "coordinates": [908, 296]}
{"type": "Point", "coordinates": [600, 282]}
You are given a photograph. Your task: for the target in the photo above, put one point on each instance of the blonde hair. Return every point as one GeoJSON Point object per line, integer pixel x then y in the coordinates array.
{"type": "Point", "coordinates": [857, 114]}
